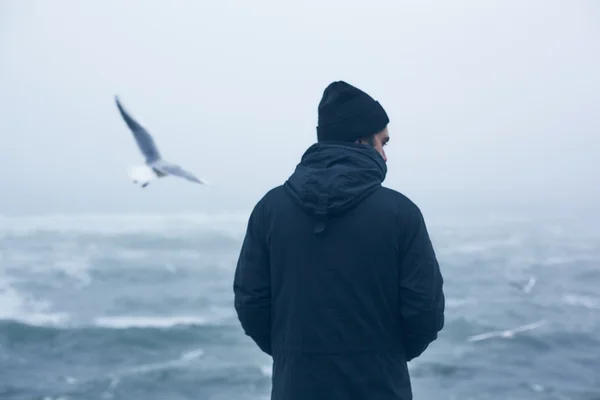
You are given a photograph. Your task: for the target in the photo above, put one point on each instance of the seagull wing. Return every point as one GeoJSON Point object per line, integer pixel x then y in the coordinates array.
{"type": "Point", "coordinates": [484, 336]}
{"type": "Point", "coordinates": [530, 284]}
{"type": "Point", "coordinates": [528, 327]}
{"type": "Point", "coordinates": [178, 171]}
{"type": "Point", "coordinates": [142, 137]}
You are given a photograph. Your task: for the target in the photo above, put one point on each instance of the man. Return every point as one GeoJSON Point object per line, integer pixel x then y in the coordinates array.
{"type": "Point", "coordinates": [337, 278]}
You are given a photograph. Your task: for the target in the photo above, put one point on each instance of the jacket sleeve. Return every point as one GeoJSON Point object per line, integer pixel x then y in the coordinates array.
{"type": "Point", "coordinates": [252, 283]}
{"type": "Point", "coordinates": [422, 299]}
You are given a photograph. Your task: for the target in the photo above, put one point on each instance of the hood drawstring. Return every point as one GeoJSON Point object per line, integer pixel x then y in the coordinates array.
{"type": "Point", "coordinates": [333, 178]}
{"type": "Point", "coordinates": [321, 213]}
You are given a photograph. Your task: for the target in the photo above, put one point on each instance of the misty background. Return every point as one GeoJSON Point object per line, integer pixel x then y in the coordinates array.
{"type": "Point", "coordinates": [492, 104]}
{"type": "Point", "coordinates": [495, 134]}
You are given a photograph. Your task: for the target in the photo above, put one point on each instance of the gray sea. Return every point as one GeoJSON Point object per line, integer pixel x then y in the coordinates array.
{"type": "Point", "coordinates": [139, 307]}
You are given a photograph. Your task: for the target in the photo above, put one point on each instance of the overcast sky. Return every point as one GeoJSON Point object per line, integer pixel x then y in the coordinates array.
{"type": "Point", "coordinates": [491, 102]}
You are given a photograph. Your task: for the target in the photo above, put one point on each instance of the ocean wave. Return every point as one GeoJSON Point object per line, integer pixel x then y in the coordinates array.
{"type": "Point", "coordinates": [26, 309]}
{"type": "Point", "coordinates": [267, 370]}
{"type": "Point", "coordinates": [126, 322]}
{"type": "Point", "coordinates": [65, 321]}
{"type": "Point", "coordinates": [481, 246]}
{"type": "Point", "coordinates": [588, 302]}
{"type": "Point", "coordinates": [443, 370]}
{"type": "Point", "coordinates": [117, 223]}
{"type": "Point", "coordinates": [461, 302]}
{"type": "Point", "coordinates": [42, 320]}
{"type": "Point", "coordinates": [182, 361]}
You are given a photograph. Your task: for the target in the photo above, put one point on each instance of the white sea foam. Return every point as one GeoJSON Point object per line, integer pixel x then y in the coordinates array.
{"type": "Point", "coordinates": [460, 302]}
{"type": "Point", "coordinates": [588, 302]}
{"type": "Point", "coordinates": [16, 312]}
{"type": "Point", "coordinates": [125, 322]}
{"type": "Point", "coordinates": [15, 306]}
{"type": "Point", "coordinates": [67, 260]}
{"type": "Point", "coordinates": [210, 315]}
{"type": "Point", "coordinates": [267, 370]}
{"type": "Point", "coordinates": [182, 361]}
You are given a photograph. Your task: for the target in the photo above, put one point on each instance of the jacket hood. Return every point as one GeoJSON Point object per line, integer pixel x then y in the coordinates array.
{"type": "Point", "coordinates": [332, 178]}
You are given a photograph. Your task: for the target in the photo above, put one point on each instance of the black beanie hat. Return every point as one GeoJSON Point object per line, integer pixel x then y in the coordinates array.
{"type": "Point", "coordinates": [347, 114]}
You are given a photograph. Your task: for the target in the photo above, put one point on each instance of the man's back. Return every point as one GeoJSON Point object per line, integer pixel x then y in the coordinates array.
{"type": "Point", "coordinates": [338, 281]}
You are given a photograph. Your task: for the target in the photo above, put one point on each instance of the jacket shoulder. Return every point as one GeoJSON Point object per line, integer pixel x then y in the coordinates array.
{"type": "Point", "coordinates": [267, 201]}
{"type": "Point", "coordinates": [271, 196]}
{"type": "Point", "coordinates": [399, 201]}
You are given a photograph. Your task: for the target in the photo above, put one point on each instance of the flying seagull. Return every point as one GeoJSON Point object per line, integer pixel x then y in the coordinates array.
{"type": "Point", "coordinates": [507, 334]}
{"type": "Point", "coordinates": [155, 166]}
{"type": "Point", "coordinates": [526, 287]}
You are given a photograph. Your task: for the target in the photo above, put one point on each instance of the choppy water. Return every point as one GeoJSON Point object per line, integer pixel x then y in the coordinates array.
{"type": "Point", "coordinates": [140, 307]}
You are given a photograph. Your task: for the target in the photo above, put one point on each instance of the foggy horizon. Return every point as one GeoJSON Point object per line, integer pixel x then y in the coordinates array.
{"type": "Point", "coordinates": [491, 105]}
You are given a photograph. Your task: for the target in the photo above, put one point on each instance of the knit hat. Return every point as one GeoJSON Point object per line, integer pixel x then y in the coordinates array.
{"type": "Point", "coordinates": [347, 114]}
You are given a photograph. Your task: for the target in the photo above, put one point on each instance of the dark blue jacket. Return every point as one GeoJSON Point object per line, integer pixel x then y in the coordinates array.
{"type": "Point", "coordinates": [338, 281]}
